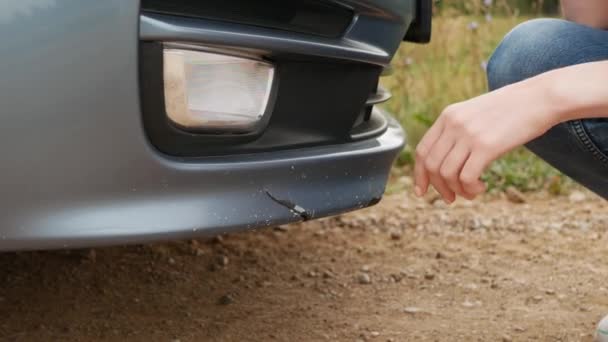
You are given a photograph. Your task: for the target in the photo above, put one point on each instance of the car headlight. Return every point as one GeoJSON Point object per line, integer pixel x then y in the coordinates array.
{"type": "Point", "coordinates": [209, 91]}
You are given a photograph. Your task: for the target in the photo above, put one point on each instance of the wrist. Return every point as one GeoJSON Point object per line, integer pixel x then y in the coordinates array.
{"type": "Point", "coordinates": [575, 92]}
{"type": "Point", "coordinates": [542, 102]}
{"type": "Point", "coordinates": [558, 101]}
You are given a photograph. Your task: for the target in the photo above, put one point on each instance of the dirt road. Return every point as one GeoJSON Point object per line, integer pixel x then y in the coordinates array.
{"type": "Point", "coordinates": [405, 270]}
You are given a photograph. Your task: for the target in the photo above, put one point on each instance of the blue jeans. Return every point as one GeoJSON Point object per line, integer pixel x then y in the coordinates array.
{"type": "Point", "coordinates": [577, 148]}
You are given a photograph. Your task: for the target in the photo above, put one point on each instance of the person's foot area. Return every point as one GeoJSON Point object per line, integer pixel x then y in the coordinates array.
{"type": "Point", "coordinates": [601, 332]}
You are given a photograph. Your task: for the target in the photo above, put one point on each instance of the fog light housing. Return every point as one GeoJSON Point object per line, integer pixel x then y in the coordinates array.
{"type": "Point", "coordinates": [215, 91]}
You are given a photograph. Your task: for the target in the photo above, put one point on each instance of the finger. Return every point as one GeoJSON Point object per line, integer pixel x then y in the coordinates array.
{"type": "Point", "coordinates": [433, 162]}
{"type": "Point", "coordinates": [452, 166]}
{"type": "Point", "coordinates": [442, 188]}
{"type": "Point", "coordinates": [421, 176]}
{"type": "Point", "coordinates": [471, 173]}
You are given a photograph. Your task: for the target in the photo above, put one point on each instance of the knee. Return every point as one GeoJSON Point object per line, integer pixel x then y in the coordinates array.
{"type": "Point", "coordinates": [528, 50]}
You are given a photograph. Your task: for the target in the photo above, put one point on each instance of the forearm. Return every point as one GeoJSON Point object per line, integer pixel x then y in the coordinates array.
{"type": "Point", "coordinates": [575, 92]}
{"type": "Point", "coordinates": [592, 13]}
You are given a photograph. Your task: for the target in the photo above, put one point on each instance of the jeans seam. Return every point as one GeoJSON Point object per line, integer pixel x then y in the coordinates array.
{"type": "Point", "coordinates": [585, 139]}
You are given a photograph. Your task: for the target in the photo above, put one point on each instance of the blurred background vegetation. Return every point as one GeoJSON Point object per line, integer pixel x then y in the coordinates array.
{"type": "Point", "coordinates": [451, 68]}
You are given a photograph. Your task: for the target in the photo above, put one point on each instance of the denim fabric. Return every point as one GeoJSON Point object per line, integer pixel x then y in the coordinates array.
{"type": "Point", "coordinates": [577, 148]}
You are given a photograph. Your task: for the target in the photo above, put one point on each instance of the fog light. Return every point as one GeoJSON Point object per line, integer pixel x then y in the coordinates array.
{"type": "Point", "coordinates": [207, 91]}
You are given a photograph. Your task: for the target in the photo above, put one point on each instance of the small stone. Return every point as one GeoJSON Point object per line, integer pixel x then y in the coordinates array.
{"type": "Point", "coordinates": [364, 279]}
{"type": "Point", "coordinates": [396, 277]}
{"type": "Point", "coordinates": [327, 275]}
{"type": "Point", "coordinates": [374, 334]}
{"type": "Point", "coordinates": [225, 300]}
{"type": "Point", "coordinates": [550, 292]}
{"type": "Point", "coordinates": [506, 338]}
{"type": "Point", "coordinates": [412, 310]}
{"type": "Point", "coordinates": [471, 286]}
{"type": "Point", "coordinates": [395, 235]}
{"type": "Point", "coordinates": [537, 299]}
{"type": "Point", "coordinates": [429, 276]}
{"type": "Point", "coordinates": [519, 329]}
{"type": "Point", "coordinates": [281, 229]}
{"type": "Point", "coordinates": [469, 304]}
{"type": "Point", "coordinates": [439, 255]}
{"type": "Point", "coordinates": [171, 261]}
{"type": "Point", "coordinates": [577, 197]}
{"type": "Point", "coordinates": [365, 268]}
{"type": "Point", "coordinates": [91, 255]}
{"type": "Point", "coordinates": [515, 196]}
{"type": "Point", "coordinates": [222, 260]}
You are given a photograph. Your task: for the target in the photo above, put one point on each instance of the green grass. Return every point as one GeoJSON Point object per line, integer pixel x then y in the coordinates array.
{"type": "Point", "coordinates": [427, 78]}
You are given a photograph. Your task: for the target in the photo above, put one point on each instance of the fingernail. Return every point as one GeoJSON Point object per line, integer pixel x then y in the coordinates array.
{"type": "Point", "coordinates": [418, 191]}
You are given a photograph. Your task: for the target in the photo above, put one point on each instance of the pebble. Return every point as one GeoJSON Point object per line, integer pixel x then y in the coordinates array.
{"type": "Point", "coordinates": [506, 338]}
{"type": "Point", "coordinates": [395, 235]}
{"type": "Point", "coordinates": [469, 304]}
{"type": "Point", "coordinates": [577, 197]}
{"type": "Point", "coordinates": [374, 334]}
{"type": "Point", "coordinates": [91, 255]}
{"type": "Point", "coordinates": [364, 279]}
{"type": "Point", "coordinates": [223, 260]}
{"type": "Point", "coordinates": [327, 275]}
{"type": "Point", "coordinates": [281, 229]}
{"type": "Point", "coordinates": [429, 276]}
{"type": "Point", "coordinates": [471, 286]}
{"type": "Point", "coordinates": [537, 299]}
{"type": "Point", "coordinates": [515, 196]}
{"type": "Point", "coordinates": [412, 310]}
{"type": "Point", "coordinates": [225, 300]}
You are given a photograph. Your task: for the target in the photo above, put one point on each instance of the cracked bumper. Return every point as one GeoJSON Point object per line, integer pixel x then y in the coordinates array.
{"type": "Point", "coordinates": [173, 199]}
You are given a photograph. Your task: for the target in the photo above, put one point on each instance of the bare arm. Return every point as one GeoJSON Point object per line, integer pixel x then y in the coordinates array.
{"type": "Point", "coordinates": [592, 13]}
{"type": "Point", "coordinates": [469, 135]}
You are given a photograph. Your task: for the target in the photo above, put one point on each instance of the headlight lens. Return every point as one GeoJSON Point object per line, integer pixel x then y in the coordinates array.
{"type": "Point", "coordinates": [212, 92]}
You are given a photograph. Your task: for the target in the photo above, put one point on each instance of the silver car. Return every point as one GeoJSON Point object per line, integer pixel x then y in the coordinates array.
{"type": "Point", "coordinates": [127, 121]}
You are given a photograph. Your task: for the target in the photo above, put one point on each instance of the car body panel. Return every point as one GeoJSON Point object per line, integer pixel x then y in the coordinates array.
{"type": "Point", "coordinates": [78, 170]}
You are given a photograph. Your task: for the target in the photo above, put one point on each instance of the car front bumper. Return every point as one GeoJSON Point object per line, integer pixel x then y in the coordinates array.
{"type": "Point", "coordinates": [222, 194]}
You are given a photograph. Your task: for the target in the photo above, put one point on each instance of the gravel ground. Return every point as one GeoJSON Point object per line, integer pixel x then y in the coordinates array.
{"type": "Point", "coordinates": [405, 270]}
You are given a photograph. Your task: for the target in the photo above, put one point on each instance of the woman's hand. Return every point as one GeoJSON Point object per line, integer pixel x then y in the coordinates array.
{"type": "Point", "coordinates": [469, 135]}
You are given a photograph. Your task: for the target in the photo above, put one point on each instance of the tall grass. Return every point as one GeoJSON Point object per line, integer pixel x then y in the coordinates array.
{"type": "Point", "coordinates": [427, 78]}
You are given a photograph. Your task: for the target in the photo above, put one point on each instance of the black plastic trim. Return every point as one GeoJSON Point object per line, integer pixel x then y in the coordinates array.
{"type": "Point", "coordinates": [376, 125]}
{"type": "Point", "coordinates": [420, 30]}
{"type": "Point", "coordinates": [380, 96]}
{"type": "Point", "coordinates": [304, 16]}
